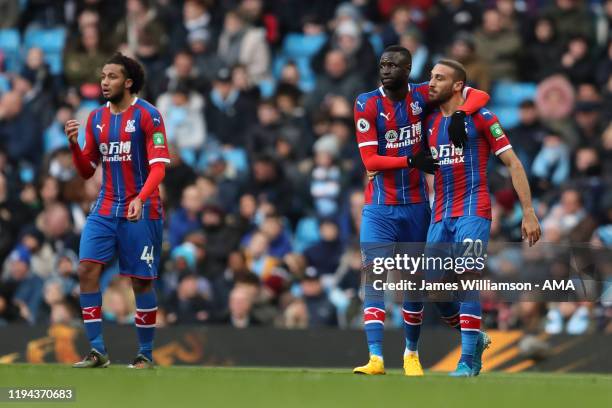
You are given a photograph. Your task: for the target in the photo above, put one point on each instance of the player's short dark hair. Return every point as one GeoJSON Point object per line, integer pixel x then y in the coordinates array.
{"type": "Point", "coordinates": [458, 69]}
{"type": "Point", "coordinates": [401, 50]}
{"type": "Point", "coordinates": [132, 70]}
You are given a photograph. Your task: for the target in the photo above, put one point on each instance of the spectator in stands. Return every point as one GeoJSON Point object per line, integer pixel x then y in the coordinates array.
{"type": "Point", "coordinates": [551, 164]}
{"type": "Point", "coordinates": [576, 61]}
{"type": "Point", "coordinates": [24, 286]}
{"type": "Point", "coordinates": [542, 55]}
{"type": "Point", "coordinates": [240, 43]}
{"type": "Point", "coordinates": [187, 305]}
{"type": "Point", "coordinates": [325, 255]}
{"type": "Point", "coordinates": [241, 300]}
{"type": "Point", "coordinates": [186, 218]}
{"type": "Point", "coordinates": [178, 176]}
{"type": "Point", "coordinates": [280, 243]}
{"type": "Point", "coordinates": [18, 132]}
{"type": "Point", "coordinates": [206, 60]}
{"type": "Point", "coordinates": [221, 240]}
{"type": "Point", "coordinates": [197, 20]}
{"type": "Point", "coordinates": [412, 40]}
{"type": "Point", "coordinates": [9, 10]}
{"type": "Point", "coordinates": [325, 178]}
{"type": "Point", "coordinates": [498, 46]}
{"type": "Point", "coordinates": [336, 80]}
{"type": "Point", "coordinates": [54, 136]}
{"type": "Point", "coordinates": [84, 60]}
{"type": "Point", "coordinates": [228, 113]}
{"type": "Point", "coordinates": [567, 214]}
{"type": "Point", "coordinates": [463, 49]}
{"type": "Point", "coordinates": [182, 71]}
{"type": "Point", "coordinates": [321, 312]}
{"type": "Point", "coordinates": [182, 109]}
{"type": "Point", "coordinates": [450, 17]}
{"type": "Point", "coordinates": [528, 135]}
{"type": "Point", "coordinates": [570, 18]}
{"type": "Point", "coordinates": [400, 22]}
{"type": "Point", "coordinates": [258, 256]}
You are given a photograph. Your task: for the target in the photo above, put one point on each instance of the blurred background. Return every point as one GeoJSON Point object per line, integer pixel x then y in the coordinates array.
{"type": "Point", "coordinates": [263, 197]}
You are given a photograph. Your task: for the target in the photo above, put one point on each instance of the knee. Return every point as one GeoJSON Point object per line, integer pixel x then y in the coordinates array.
{"type": "Point", "coordinates": [87, 271]}
{"type": "Point", "coordinates": [141, 285]}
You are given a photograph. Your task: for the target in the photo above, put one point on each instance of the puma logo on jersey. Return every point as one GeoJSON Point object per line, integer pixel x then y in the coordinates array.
{"type": "Point", "coordinates": [386, 116]}
{"type": "Point", "coordinates": [361, 105]}
{"type": "Point", "coordinates": [101, 127]}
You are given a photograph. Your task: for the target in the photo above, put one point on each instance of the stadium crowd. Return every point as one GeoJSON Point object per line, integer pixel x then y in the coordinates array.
{"type": "Point", "coordinates": [264, 194]}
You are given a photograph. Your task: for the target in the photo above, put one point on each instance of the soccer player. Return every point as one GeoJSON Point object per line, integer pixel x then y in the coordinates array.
{"type": "Point", "coordinates": [125, 136]}
{"type": "Point", "coordinates": [390, 129]}
{"type": "Point", "coordinates": [461, 213]}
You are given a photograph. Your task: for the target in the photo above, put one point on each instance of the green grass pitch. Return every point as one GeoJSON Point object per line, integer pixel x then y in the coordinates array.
{"type": "Point", "coordinates": [175, 387]}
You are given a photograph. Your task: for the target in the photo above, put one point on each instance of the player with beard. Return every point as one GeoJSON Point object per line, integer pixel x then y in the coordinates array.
{"type": "Point", "coordinates": [390, 133]}
{"type": "Point", "coordinates": [461, 213]}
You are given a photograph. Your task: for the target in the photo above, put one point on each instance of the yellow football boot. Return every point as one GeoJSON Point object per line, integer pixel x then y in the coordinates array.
{"type": "Point", "coordinates": [412, 365]}
{"type": "Point", "coordinates": [375, 366]}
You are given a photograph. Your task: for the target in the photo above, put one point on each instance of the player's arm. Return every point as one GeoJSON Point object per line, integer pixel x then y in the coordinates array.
{"type": "Point", "coordinates": [530, 226]}
{"type": "Point", "coordinates": [488, 125]}
{"type": "Point", "coordinates": [158, 156]}
{"type": "Point", "coordinates": [367, 139]}
{"type": "Point", "coordinates": [86, 160]}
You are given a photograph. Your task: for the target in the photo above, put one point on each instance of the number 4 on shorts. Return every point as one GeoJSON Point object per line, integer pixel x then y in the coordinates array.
{"type": "Point", "coordinates": [147, 255]}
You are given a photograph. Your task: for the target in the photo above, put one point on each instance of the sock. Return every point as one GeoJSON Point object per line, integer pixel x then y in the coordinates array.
{"type": "Point", "coordinates": [413, 318]}
{"type": "Point", "coordinates": [449, 312]}
{"type": "Point", "coordinates": [374, 319]}
{"type": "Point", "coordinates": [470, 329]}
{"type": "Point", "coordinates": [91, 309]}
{"type": "Point", "coordinates": [146, 314]}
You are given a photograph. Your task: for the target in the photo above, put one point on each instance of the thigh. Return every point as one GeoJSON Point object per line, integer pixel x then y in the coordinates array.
{"type": "Point", "coordinates": [414, 222]}
{"type": "Point", "coordinates": [378, 234]}
{"type": "Point", "coordinates": [98, 239]}
{"type": "Point", "coordinates": [473, 234]}
{"type": "Point", "coordinates": [140, 245]}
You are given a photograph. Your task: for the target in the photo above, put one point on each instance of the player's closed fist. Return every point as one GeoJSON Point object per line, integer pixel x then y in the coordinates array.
{"type": "Point", "coordinates": [424, 162]}
{"type": "Point", "coordinates": [457, 129]}
{"type": "Point", "coordinates": [71, 128]}
{"type": "Point", "coordinates": [134, 210]}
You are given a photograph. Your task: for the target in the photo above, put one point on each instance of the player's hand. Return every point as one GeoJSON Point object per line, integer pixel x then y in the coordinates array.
{"type": "Point", "coordinates": [134, 210]}
{"type": "Point", "coordinates": [71, 128]}
{"type": "Point", "coordinates": [530, 228]}
{"type": "Point", "coordinates": [372, 175]}
{"type": "Point", "coordinates": [424, 162]}
{"type": "Point", "coordinates": [457, 129]}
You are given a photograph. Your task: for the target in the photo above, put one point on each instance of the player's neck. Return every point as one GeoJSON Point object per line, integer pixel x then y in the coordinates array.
{"type": "Point", "coordinates": [122, 105]}
{"type": "Point", "coordinates": [450, 106]}
{"type": "Point", "coordinates": [396, 94]}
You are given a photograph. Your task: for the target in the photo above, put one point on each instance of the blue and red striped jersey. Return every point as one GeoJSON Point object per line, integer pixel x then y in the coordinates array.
{"type": "Point", "coordinates": [126, 144]}
{"type": "Point", "coordinates": [460, 184]}
{"type": "Point", "coordinates": [396, 129]}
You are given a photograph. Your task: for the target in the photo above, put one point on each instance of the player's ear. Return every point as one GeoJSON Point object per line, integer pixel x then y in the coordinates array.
{"type": "Point", "coordinates": [458, 86]}
{"type": "Point", "coordinates": [128, 83]}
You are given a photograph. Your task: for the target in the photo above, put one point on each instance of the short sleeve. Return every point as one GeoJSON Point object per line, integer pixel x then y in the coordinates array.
{"type": "Point", "coordinates": [489, 126]}
{"type": "Point", "coordinates": [90, 150]}
{"type": "Point", "coordinates": [155, 138]}
{"type": "Point", "coordinates": [365, 121]}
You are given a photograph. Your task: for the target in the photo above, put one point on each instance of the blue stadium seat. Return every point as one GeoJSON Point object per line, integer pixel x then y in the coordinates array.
{"type": "Point", "coordinates": [51, 41]}
{"type": "Point", "coordinates": [377, 43]}
{"type": "Point", "coordinates": [512, 93]}
{"type": "Point", "coordinates": [9, 46]}
{"type": "Point", "coordinates": [5, 84]}
{"type": "Point", "coordinates": [267, 87]}
{"type": "Point", "coordinates": [306, 233]}
{"type": "Point", "coordinates": [508, 115]}
{"type": "Point", "coordinates": [300, 45]}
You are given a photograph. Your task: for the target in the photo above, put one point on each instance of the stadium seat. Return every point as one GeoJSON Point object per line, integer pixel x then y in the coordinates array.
{"type": "Point", "coordinates": [9, 45]}
{"type": "Point", "coordinates": [508, 115]}
{"type": "Point", "coordinates": [5, 84]}
{"type": "Point", "coordinates": [51, 41]}
{"type": "Point", "coordinates": [306, 233]}
{"type": "Point", "coordinates": [377, 43]}
{"type": "Point", "coordinates": [300, 45]}
{"type": "Point", "coordinates": [267, 87]}
{"type": "Point", "coordinates": [512, 93]}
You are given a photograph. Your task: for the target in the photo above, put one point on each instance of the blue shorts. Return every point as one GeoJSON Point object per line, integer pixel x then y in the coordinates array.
{"type": "Point", "coordinates": [137, 244]}
{"type": "Point", "coordinates": [382, 226]}
{"type": "Point", "coordinates": [458, 237]}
